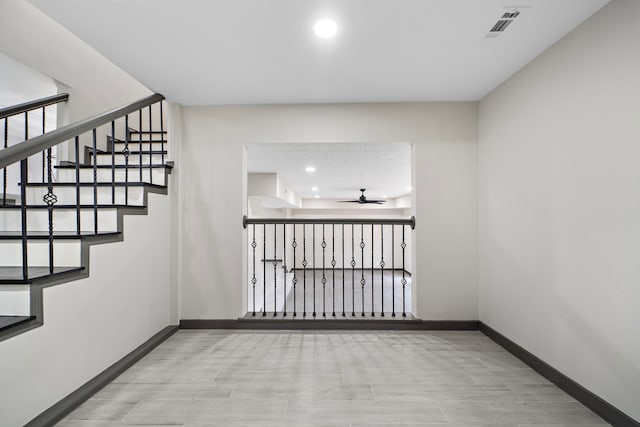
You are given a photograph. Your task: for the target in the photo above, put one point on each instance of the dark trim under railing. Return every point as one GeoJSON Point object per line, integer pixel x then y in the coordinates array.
{"type": "Point", "coordinates": [33, 105]}
{"type": "Point", "coordinates": [40, 143]}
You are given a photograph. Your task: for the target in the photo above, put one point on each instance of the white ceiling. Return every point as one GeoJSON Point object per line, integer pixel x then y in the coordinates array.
{"type": "Point", "coordinates": [341, 169]}
{"type": "Point", "coordinates": [206, 52]}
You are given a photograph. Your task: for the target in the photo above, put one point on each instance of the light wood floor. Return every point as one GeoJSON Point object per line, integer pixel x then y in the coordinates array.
{"type": "Point", "coordinates": [382, 290]}
{"type": "Point", "coordinates": [276, 378]}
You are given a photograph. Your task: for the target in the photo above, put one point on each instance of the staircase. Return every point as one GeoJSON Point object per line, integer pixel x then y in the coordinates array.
{"type": "Point", "coordinates": [56, 212]}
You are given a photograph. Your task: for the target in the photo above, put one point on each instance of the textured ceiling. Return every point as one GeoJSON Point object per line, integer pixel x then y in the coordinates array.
{"type": "Point", "coordinates": [341, 169]}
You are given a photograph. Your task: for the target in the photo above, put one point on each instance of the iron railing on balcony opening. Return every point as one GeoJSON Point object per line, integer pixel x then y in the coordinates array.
{"type": "Point", "coordinates": [329, 268]}
{"type": "Point", "coordinates": [110, 159]}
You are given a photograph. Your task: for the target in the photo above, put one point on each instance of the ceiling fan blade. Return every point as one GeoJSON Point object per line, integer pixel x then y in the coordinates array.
{"type": "Point", "coordinates": [349, 201]}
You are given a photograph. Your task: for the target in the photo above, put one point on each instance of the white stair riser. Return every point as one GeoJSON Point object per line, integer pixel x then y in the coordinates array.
{"type": "Point", "coordinates": [67, 195]}
{"type": "Point", "coordinates": [146, 137]}
{"type": "Point", "coordinates": [134, 159]}
{"type": "Point", "coordinates": [15, 300]}
{"type": "Point", "coordinates": [105, 175]}
{"type": "Point", "coordinates": [65, 253]}
{"type": "Point", "coordinates": [135, 146]}
{"type": "Point", "coordinates": [63, 220]}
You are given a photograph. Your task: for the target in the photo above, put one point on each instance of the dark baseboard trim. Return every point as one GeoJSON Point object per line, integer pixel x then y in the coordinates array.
{"type": "Point", "coordinates": [608, 412]}
{"type": "Point", "coordinates": [64, 407]}
{"type": "Point", "coordinates": [331, 324]}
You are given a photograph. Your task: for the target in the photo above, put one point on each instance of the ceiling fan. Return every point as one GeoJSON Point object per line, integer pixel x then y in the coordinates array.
{"type": "Point", "coordinates": [363, 199]}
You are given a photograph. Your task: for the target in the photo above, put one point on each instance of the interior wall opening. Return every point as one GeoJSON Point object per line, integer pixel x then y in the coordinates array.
{"type": "Point", "coordinates": [325, 232]}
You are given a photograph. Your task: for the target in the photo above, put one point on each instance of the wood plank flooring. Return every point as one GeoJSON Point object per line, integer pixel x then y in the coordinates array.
{"type": "Point", "coordinates": [317, 378]}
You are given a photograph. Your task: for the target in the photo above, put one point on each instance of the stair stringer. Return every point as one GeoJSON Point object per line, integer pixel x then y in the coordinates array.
{"type": "Point", "coordinates": [89, 325]}
{"type": "Point", "coordinates": [36, 286]}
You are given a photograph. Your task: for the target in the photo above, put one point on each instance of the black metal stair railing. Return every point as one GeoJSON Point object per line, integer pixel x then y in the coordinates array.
{"type": "Point", "coordinates": [331, 255]}
{"type": "Point", "coordinates": [111, 140]}
{"type": "Point", "coordinates": [24, 112]}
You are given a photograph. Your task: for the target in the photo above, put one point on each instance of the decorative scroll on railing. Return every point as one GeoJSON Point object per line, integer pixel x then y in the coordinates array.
{"type": "Point", "coordinates": [329, 267]}
{"type": "Point", "coordinates": [109, 155]}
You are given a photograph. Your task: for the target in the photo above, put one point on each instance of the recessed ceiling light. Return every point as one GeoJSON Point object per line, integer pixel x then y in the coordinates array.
{"type": "Point", "coordinates": [317, 197]}
{"type": "Point", "coordinates": [409, 188]}
{"type": "Point", "coordinates": [325, 28]}
{"type": "Point", "coordinates": [310, 169]}
{"type": "Point", "coordinates": [384, 196]}
{"type": "Point", "coordinates": [314, 188]}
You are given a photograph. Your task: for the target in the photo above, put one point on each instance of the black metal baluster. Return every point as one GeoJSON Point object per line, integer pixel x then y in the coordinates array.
{"type": "Point", "coordinates": [50, 199]}
{"type": "Point", "coordinates": [372, 272]}
{"type": "Point", "coordinates": [162, 135]}
{"type": "Point", "coordinates": [324, 278]}
{"type": "Point", "coordinates": [275, 267]}
{"type": "Point", "coordinates": [264, 270]}
{"type": "Point", "coordinates": [43, 152]}
{"type": "Point", "coordinates": [362, 280]}
{"type": "Point", "coordinates": [393, 271]}
{"type": "Point", "coordinates": [23, 215]}
{"type": "Point", "coordinates": [150, 148]}
{"type": "Point", "coordinates": [313, 250]}
{"type": "Point", "coordinates": [140, 143]}
{"type": "Point", "coordinates": [253, 277]}
{"type": "Point", "coordinates": [333, 269]}
{"type": "Point", "coordinates": [113, 162]}
{"type": "Point", "coordinates": [77, 165]}
{"type": "Point", "coordinates": [4, 170]}
{"type": "Point", "coordinates": [126, 159]}
{"type": "Point", "coordinates": [284, 268]}
{"type": "Point", "coordinates": [304, 270]}
{"type": "Point", "coordinates": [353, 273]}
{"type": "Point", "coordinates": [24, 179]}
{"type": "Point", "coordinates": [382, 269]}
{"type": "Point", "coordinates": [343, 313]}
{"type": "Point", "coordinates": [295, 279]}
{"type": "Point", "coordinates": [404, 280]}
{"type": "Point", "coordinates": [95, 183]}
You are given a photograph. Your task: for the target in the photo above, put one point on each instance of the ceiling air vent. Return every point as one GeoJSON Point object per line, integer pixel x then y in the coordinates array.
{"type": "Point", "coordinates": [505, 20]}
{"type": "Point", "coordinates": [510, 15]}
{"type": "Point", "coordinates": [501, 25]}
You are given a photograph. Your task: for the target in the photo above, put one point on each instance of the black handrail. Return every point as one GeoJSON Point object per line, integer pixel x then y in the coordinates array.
{"type": "Point", "coordinates": [32, 105]}
{"type": "Point", "coordinates": [367, 221]}
{"type": "Point", "coordinates": [40, 143]}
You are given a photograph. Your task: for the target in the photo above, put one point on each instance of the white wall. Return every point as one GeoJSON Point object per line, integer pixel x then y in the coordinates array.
{"type": "Point", "coordinates": [213, 261]}
{"type": "Point", "coordinates": [90, 324]}
{"type": "Point", "coordinates": [95, 83]}
{"type": "Point", "coordinates": [18, 84]}
{"type": "Point", "coordinates": [560, 206]}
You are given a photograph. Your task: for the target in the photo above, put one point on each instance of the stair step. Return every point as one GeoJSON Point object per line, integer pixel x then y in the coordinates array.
{"type": "Point", "coordinates": [13, 275]}
{"type": "Point", "coordinates": [131, 130]}
{"type": "Point", "coordinates": [136, 140]}
{"type": "Point", "coordinates": [57, 235]}
{"type": "Point", "coordinates": [7, 322]}
{"type": "Point", "coordinates": [131, 208]}
{"type": "Point", "coordinates": [69, 165]}
{"type": "Point", "coordinates": [98, 184]}
{"type": "Point", "coordinates": [101, 152]}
